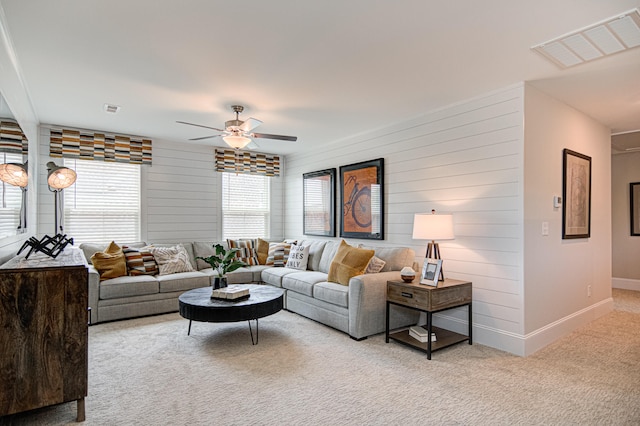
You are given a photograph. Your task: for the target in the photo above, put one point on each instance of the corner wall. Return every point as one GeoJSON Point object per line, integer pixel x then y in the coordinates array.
{"type": "Point", "coordinates": [625, 168]}
{"type": "Point", "coordinates": [466, 159]}
{"type": "Point", "coordinates": [557, 272]}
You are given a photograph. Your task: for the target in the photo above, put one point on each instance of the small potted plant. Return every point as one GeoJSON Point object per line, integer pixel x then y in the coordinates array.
{"type": "Point", "coordinates": [223, 261]}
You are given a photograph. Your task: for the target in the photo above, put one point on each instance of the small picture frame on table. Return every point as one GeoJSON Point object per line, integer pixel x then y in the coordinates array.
{"type": "Point", "coordinates": [431, 272]}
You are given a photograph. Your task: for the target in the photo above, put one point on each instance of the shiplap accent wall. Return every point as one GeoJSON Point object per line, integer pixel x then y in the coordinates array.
{"type": "Point", "coordinates": [181, 195]}
{"type": "Point", "coordinates": [466, 159]}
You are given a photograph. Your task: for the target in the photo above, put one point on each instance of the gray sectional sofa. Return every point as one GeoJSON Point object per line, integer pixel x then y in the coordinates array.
{"type": "Point", "coordinates": [357, 309]}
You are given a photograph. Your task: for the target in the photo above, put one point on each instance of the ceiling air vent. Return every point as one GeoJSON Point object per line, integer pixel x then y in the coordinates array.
{"type": "Point", "coordinates": [605, 38]}
{"type": "Point", "coordinates": [111, 109]}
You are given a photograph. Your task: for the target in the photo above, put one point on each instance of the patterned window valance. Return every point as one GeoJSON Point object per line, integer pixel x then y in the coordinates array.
{"type": "Point", "coordinates": [88, 145]}
{"type": "Point", "coordinates": [12, 139]}
{"type": "Point", "coordinates": [252, 163]}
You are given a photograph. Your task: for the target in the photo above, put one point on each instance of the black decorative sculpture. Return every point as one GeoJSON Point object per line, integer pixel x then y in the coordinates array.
{"type": "Point", "coordinates": [51, 246]}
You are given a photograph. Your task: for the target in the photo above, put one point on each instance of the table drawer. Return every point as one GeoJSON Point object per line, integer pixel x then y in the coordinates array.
{"type": "Point", "coordinates": [429, 298]}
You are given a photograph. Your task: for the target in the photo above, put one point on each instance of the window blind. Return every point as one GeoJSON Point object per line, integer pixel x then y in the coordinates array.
{"type": "Point", "coordinates": [245, 206]}
{"type": "Point", "coordinates": [104, 203]}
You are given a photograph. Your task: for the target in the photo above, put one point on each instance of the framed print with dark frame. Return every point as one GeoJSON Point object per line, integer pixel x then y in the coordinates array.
{"type": "Point", "coordinates": [576, 191]}
{"type": "Point", "coordinates": [634, 202]}
{"type": "Point", "coordinates": [362, 200]}
{"type": "Point", "coordinates": [431, 269]}
{"type": "Point", "coordinates": [319, 217]}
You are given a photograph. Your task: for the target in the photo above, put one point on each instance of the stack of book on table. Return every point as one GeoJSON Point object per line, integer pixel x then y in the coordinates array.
{"type": "Point", "coordinates": [421, 334]}
{"type": "Point", "coordinates": [231, 292]}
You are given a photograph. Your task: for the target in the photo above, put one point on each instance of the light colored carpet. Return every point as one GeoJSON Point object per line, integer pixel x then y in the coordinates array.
{"type": "Point", "coordinates": [147, 371]}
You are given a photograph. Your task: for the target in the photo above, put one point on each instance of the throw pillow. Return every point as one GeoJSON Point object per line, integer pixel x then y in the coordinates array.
{"type": "Point", "coordinates": [278, 254]}
{"type": "Point", "coordinates": [171, 260]}
{"type": "Point", "coordinates": [375, 265]}
{"type": "Point", "coordinates": [245, 250]}
{"type": "Point", "coordinates": [298, 257]}
{"type": "Point", "coordinates": [110, 263]}
{"type": "Point", "coordinates": [140, 261]}
{"type": "Point", "coordinates": [263, 251]}
{"type": "Point", "coordinates": [348, 262]}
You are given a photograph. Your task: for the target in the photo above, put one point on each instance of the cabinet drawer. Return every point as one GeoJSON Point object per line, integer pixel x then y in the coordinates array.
{"type": "Point", "coordinates": [429, 298]}
{"type": "Point", "coordinates": [407, 296]}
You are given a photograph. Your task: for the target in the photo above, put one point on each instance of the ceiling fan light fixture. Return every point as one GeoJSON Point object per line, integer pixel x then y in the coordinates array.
{"type": "Point", "coordinates": [236, 141]}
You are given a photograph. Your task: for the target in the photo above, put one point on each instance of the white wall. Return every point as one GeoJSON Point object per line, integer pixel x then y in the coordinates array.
{"type": "Point", "coordinates": [465, 159]}
{"type": "Point", "coordinates": [625, 168]}
{"type": "Point", "coordinates": [180, 194]}
{"type": "Point", "coordinates": [558, 272]}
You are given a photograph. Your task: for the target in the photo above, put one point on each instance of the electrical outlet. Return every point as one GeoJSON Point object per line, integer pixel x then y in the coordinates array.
{"type": "Point", "coordinates": [589, 290]}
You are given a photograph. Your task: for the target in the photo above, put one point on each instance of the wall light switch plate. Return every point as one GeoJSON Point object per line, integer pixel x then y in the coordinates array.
{"type": "Point", "coordinates": [545, 228]}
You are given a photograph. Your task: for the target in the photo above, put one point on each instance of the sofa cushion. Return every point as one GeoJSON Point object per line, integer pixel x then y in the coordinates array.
{"type": "Point", "coordinates": [348, 262]}
{"type": "Point", "coordinates": [110, 263]}
{"type": "Point", "coordinates": [315, 253]}
{"type": "Point", "coordinates": [172, 260]}
{"type": "Point", "coordinates": [140, 261]}
{"type": "Point", "coordinates": [262, 247]}
{"type": "Point", "coordinates": [303, 282]}
{"type": "Point", "coordinates": [274, 276]}
{"type": "Point", "coordinates": [278, 254]}
{"type": "Point", "coordinates": [182, 281]}
{"type": "Point", "coordinates": [375, 265]}
{"type": "Point", "coordinates": [188, 246]}
{"type": "Point", "coordinates": [88, 249]}
{"type": "Point", "coordinates": [298, 257]}
{"type": "Point", "coordinates": [246, 250]}
{"type": "Point", "coordinates": [336, 294]}
{"type": "Point", "coordinates": [328, 253]}
{"type": "Point", "coordinates": [396, 258]}
{"type": "Point", "coordinates": [202, 249]}
{"type": "Point", "coordinates": [128, 286]}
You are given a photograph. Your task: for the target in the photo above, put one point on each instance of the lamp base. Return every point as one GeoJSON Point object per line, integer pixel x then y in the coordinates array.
{"type": "Point", "coordinates": [433, 252]}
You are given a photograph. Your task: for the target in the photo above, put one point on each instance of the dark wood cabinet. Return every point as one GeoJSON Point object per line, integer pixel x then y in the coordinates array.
{"type": "Point", "coordinates": [43, 337]}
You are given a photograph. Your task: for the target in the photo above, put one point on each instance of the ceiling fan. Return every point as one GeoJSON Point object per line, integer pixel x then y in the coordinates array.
{"type": "Point", "coordinates": [238, 133]}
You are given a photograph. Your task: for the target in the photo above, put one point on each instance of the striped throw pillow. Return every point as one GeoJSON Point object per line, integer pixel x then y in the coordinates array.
{"type": "Point", "coordinates": [246, 250]}
{"type": "Point", "coordinates": [140, 261]}
{"type": "Point", "coordinates": [278, 254]}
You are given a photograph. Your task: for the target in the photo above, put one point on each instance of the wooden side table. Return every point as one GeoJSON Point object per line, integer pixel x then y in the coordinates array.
{"type": "Point", "coordinates": [448, 294]}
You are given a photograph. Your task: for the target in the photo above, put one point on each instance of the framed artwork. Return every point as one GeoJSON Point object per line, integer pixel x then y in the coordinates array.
{"type": "Point", "coordinates": [634, 191]}
{"type": "Point", "coordinates": [362, 200]}
{"type": "Point", "coordinates": [319, 217]}
{"type": "Point", "coordinates": [431, 269]}
{"type": "Point", "coordinates": [576, 191]}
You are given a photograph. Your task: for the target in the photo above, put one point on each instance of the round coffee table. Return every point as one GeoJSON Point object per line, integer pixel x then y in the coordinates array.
{"type": "Point", "coordinates": [263, 300]}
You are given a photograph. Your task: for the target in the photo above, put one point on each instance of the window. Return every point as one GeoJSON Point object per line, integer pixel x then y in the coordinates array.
{"type": "Point", "coordinates": [11, 200]}
{"type": "Point", "coordinates": [104, 203]}
{"type": "Point", "coordinates": [245, 206]}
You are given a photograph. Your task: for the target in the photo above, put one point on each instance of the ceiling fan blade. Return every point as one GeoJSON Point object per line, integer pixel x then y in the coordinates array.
{"type": "Point", "coordinates": [252, 145]}
{"type": "Point", "coordinates": [250, 124]}
{"type": "Point", "coordinates": [204, 137]}
{"type": "Point", "coordinates": [200, 125]}
{"type": "Point", "coordinates": [277, 137]}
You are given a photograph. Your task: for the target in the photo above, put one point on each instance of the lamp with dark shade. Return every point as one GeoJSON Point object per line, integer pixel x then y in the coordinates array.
{"type": "Point", "coordinates": [59, 178]}
{"type": "Point", "coordinates": [432, 226]}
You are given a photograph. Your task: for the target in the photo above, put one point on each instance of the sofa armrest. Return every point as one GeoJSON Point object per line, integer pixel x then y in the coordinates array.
{"type": "Point", "coordinates": [368, 303]}
{"type": "Point", "coordinates": [94, 292]}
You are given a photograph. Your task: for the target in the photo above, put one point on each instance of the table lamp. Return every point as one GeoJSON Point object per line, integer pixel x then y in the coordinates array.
{"type": "Point", "coordinates": [16, 174]}
{"type": "Point", "coordinates": [432, 226]}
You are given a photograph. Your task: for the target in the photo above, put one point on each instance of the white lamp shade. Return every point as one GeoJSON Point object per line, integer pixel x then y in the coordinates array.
{"type": "Point", "coordinates": [60, 177]}
{"type": "Point", "coordinates": [430, 226]}
{"type": "Point", "coordinates": [14, 174]}
{"type": "Point", "coordinates": [237, 142]}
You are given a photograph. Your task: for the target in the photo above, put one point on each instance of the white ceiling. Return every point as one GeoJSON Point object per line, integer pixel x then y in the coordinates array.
{"type": "Point", "coordinates": [319, 70]}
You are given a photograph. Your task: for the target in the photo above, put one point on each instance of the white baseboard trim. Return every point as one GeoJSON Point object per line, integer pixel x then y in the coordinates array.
{"type": "Point", "coordinates": [530, 343]}
{"type": "Point", "coordinates": [625, 284]}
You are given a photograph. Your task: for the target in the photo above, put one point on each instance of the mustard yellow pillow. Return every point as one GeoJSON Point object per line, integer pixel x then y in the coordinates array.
{"type": "Point", "coordinates": [110, 263]}
{"type": "Point", "coordinates": [348, 262]}
{"type": "Point", "coordinates": [263, 251]}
